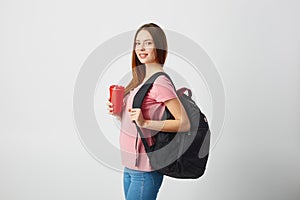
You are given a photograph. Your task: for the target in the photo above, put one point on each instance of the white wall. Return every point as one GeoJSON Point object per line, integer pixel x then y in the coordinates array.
{"type": "Point", "coordinates": [254, 45]}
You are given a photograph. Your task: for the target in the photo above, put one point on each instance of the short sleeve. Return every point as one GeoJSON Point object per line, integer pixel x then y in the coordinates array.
{"type": "Point", "coordinates": [163, 89]}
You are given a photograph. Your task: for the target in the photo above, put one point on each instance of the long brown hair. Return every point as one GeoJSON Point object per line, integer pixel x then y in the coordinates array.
{"type": "Point", "coordinates": [161, 49]}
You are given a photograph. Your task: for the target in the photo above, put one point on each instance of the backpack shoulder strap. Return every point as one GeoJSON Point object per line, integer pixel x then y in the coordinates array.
{"type": "Point", "coordinates": [138, 101]}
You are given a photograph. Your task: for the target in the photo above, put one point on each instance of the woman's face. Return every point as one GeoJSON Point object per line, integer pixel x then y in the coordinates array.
{"type": "Point", "coordinates": [144, 47]}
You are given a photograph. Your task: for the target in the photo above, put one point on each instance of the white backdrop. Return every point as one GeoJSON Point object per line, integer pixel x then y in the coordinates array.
{"type": "Point", "coordinates": [255, 46]}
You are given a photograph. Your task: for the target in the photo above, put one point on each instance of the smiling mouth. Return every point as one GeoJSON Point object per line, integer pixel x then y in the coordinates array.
{"type": "Point", "coordinates": [143, 55]}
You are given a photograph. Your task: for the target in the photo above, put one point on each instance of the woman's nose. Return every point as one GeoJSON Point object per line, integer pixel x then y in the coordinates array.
{"type": "Point", "coordinates": [142, 47]}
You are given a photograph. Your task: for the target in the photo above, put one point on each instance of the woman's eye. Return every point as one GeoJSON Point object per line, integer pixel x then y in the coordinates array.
{"type": "Point", "coordinates": [149, 43]}
{"type": "Point", "coordinates": [137, 43]}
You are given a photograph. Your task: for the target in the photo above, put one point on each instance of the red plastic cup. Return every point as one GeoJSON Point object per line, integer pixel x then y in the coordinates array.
{"type": "Point", "coordinates": [116, 97]}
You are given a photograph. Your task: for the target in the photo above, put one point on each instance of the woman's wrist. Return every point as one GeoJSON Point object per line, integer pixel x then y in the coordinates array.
{"type": "Point", "coordinates": [146, 123]}
{"type": "Point", "coordinates": [153, 124]}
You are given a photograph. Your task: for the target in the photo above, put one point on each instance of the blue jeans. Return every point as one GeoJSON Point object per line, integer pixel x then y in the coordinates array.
{"type": "Point", "coordinates": [139, 185]}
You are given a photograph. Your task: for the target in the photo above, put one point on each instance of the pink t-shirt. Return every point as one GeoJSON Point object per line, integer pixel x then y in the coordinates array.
{"type": "Point", "coordinates": [152, 108]}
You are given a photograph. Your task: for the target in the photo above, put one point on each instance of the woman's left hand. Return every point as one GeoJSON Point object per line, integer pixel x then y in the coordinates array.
{"type": "Point", "coordinates": [137, 116]}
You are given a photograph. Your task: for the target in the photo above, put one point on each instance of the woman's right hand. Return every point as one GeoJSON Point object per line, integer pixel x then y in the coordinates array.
{"type": "Point", "coordinates": [109, 107]}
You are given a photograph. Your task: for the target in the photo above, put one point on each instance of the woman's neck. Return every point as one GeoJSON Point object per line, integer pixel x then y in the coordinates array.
{"type": "Point", "coordinates": [152, 68]}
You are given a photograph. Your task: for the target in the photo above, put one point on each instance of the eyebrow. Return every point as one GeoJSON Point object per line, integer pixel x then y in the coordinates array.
{"type": "Point", "coordinates": [145, 40]}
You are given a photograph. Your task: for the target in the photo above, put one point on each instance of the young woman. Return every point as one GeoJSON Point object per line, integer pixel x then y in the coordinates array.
{"type": "Point", "coordinates": [148, 57]}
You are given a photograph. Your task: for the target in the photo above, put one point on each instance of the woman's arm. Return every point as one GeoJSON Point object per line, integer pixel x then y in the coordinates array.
{"type": "Point", "coordinates": [181, 122]}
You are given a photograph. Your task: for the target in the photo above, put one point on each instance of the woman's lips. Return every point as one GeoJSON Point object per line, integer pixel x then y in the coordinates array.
{"type": "Point", "coordinates": [143, 55]}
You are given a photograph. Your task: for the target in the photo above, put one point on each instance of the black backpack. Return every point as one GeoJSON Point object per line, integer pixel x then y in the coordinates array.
{"type": "Point", "coordinates": [182, 154]}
